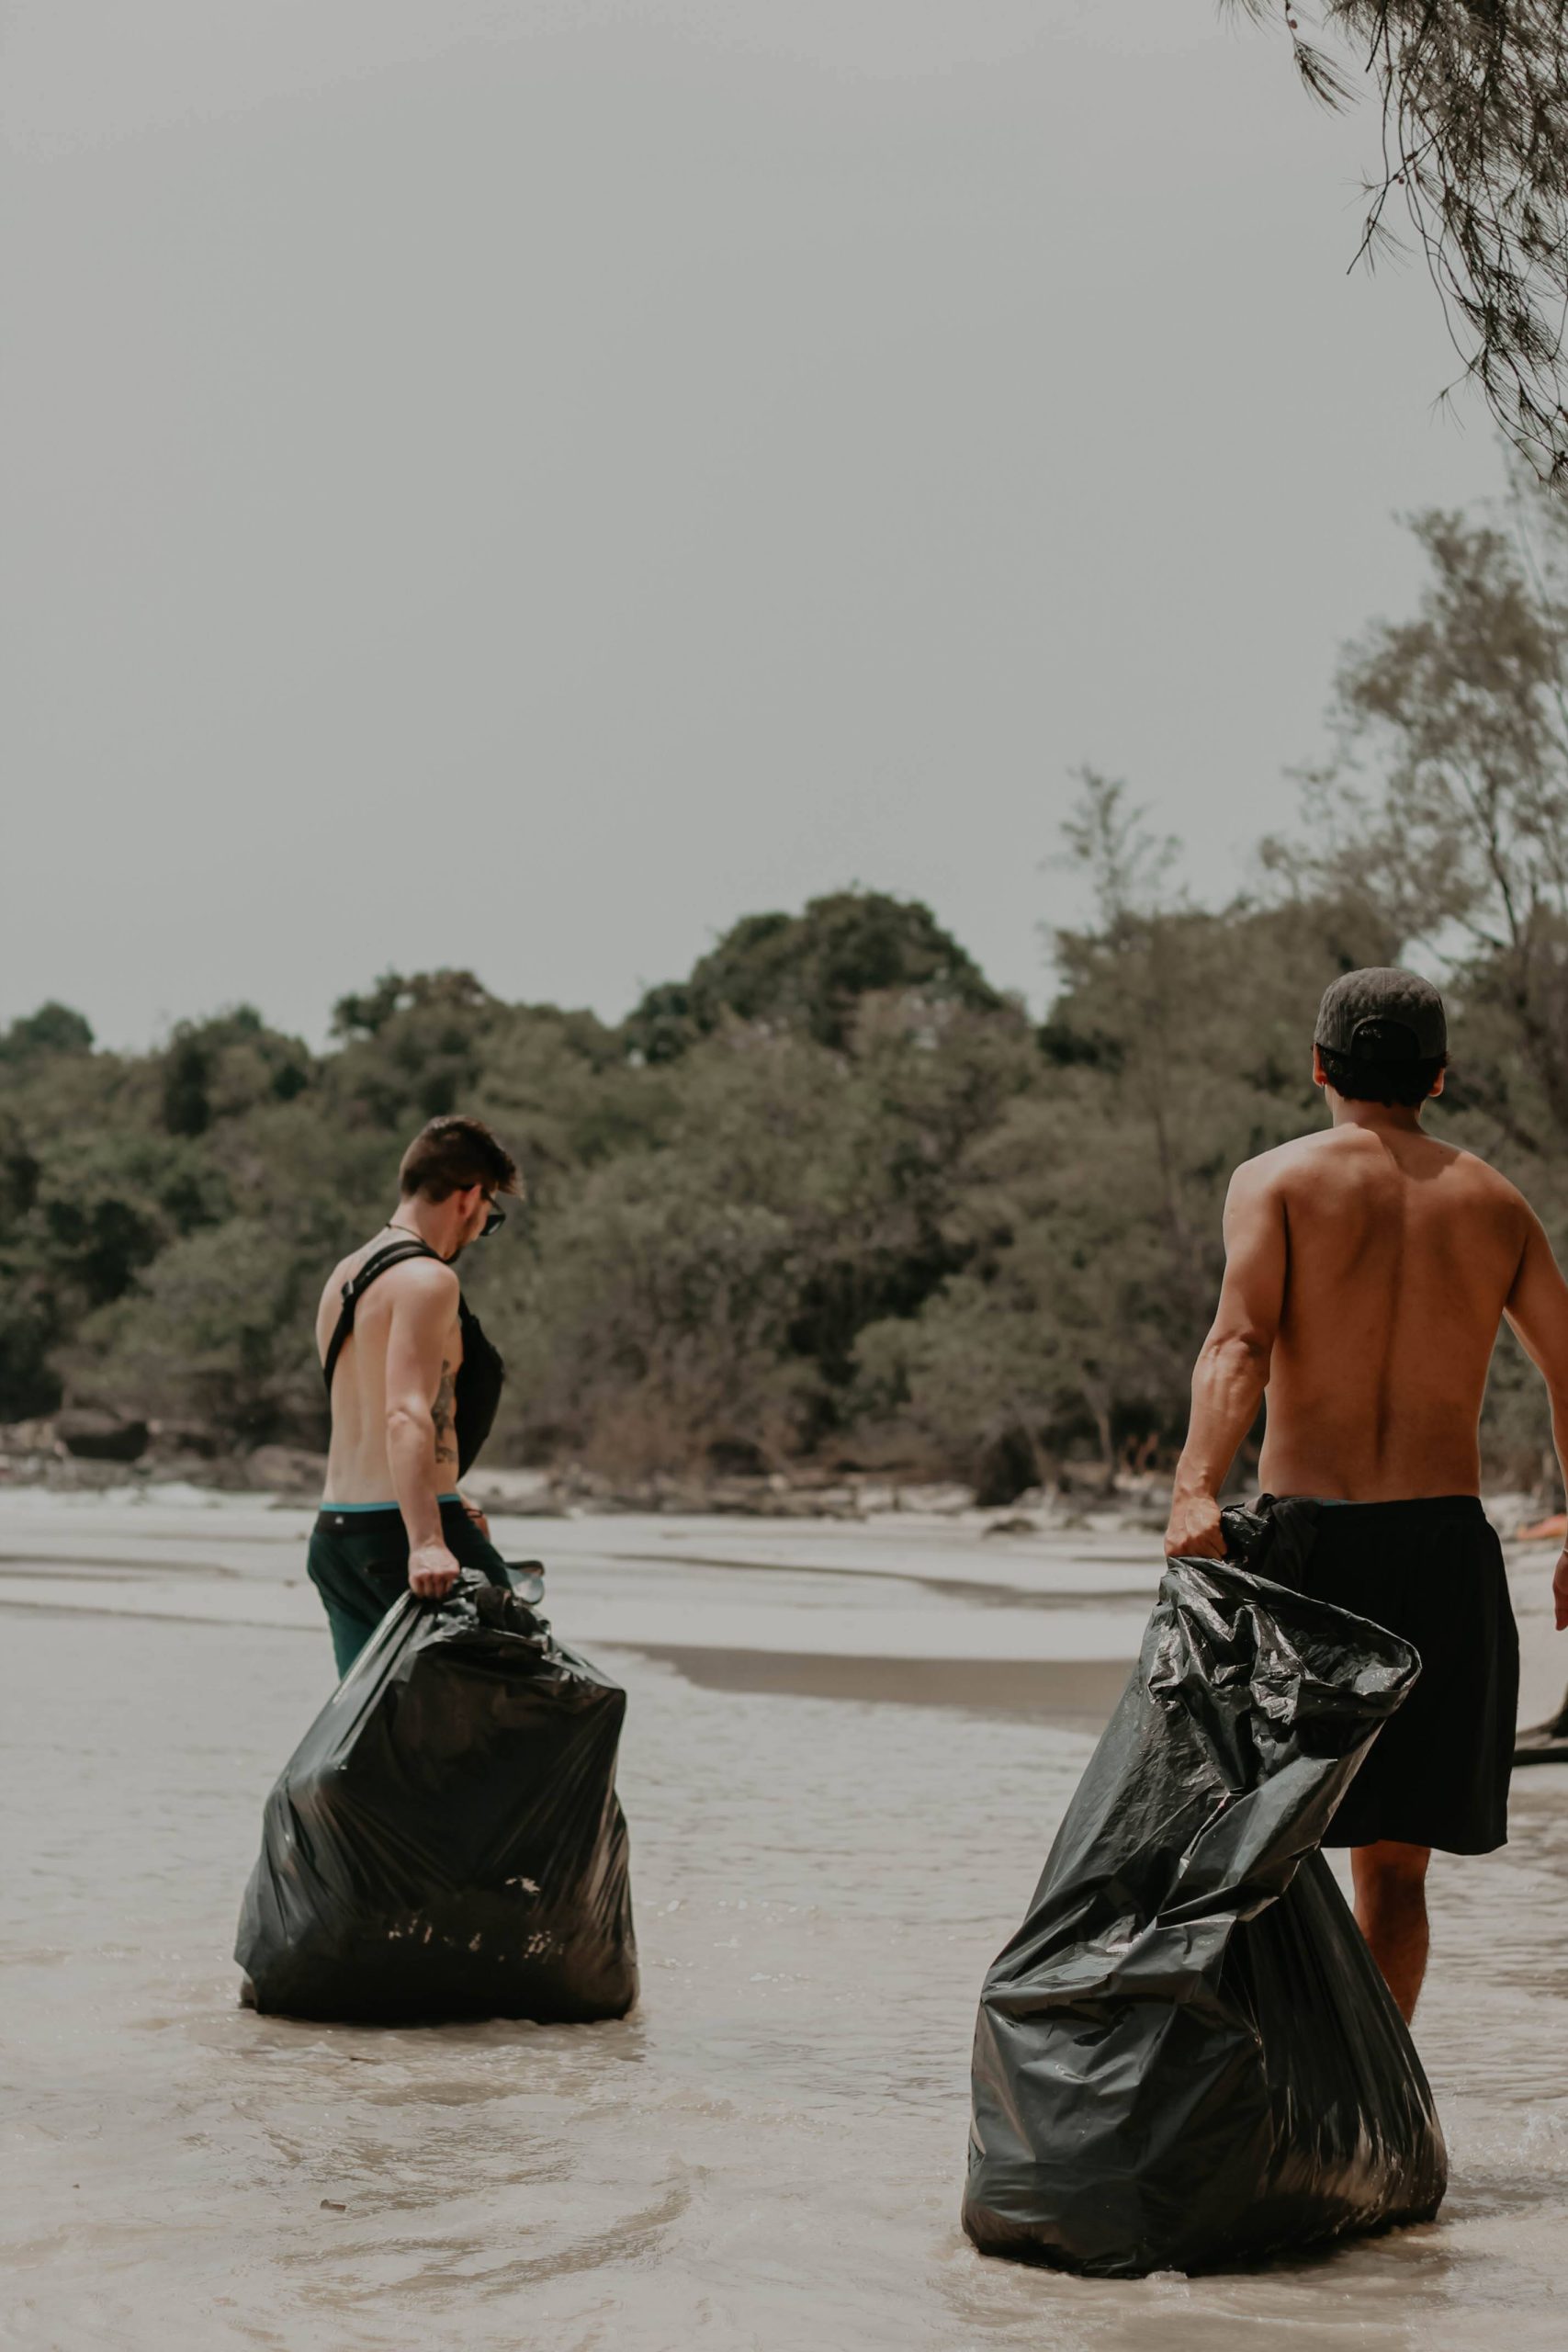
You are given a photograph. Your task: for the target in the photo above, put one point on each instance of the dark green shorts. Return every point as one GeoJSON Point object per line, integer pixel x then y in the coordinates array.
{"type": "Point", "coordinates": [358, 1562]}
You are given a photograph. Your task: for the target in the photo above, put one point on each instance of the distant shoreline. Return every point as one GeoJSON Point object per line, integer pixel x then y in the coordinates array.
{"type": "Point", "coordinates": [289, 1477]}
{"type": "Point", "coordinates": [292, 1475]}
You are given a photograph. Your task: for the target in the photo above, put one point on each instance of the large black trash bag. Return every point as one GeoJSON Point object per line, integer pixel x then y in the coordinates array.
{"type": "Point", "coordinates": [1187, 2056]}
{"type": "Point", "coordinates": [446, 1841]}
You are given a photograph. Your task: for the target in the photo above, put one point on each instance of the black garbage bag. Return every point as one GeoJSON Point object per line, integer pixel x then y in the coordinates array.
{"type": "Point", "coordinates": [1187, 2057]}
{"type": "Point", "coordinates": [446, 1840]}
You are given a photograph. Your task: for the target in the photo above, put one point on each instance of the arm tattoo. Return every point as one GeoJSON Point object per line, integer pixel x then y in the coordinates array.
{"type": "Point", "coordinates": [441, 1413]}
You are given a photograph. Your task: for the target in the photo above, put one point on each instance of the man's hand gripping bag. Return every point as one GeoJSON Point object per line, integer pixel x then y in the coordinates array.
{"type": "Point", "coordinates": [446, 1840]}
{"type": "Point", "coordinates": [1187, 2058]}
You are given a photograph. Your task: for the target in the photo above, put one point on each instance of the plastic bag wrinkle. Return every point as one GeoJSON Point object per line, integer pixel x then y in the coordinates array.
{"type": "Point", "coordinates": [1187, 2057]}
{"type": "Point", "coordinates": [446, 1840]}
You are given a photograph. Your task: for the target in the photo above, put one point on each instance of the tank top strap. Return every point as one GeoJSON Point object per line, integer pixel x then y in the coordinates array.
{"type": "Point", "coordinates": [393, 1254]}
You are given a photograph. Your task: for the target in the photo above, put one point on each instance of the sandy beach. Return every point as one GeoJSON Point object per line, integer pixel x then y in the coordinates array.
{"type": "Point", "coordinates": [847, 1750]}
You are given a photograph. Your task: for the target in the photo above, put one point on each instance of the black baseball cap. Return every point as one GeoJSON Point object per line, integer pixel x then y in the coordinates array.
{"type": "Point", "coordinates": [1383, 1014]}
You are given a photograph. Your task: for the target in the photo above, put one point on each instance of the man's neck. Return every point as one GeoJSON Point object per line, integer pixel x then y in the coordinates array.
{"type": "Point", "coordinates": [1382, 1118]}
{"type": "Point", "coordinates": [431, 1220]}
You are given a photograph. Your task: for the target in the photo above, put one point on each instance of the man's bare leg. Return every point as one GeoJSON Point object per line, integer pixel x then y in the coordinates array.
{"type": "Point", "coordinates": [1391, 1911]}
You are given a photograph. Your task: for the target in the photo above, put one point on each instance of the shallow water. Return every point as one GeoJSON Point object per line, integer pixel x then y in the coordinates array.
{"type": "Point", "coordinates": [768, 2153]}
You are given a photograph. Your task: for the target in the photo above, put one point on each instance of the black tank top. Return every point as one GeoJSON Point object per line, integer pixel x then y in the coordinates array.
{"type": "Point", "coordinates": [477, 1391]}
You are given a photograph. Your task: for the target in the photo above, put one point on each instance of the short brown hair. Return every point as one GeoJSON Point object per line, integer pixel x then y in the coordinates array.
{"type": "Point", "coordinates": [448, 1155]}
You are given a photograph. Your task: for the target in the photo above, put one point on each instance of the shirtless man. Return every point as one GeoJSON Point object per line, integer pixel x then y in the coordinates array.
{"type": "Point", "coordinates": [1367, 1269]}
{"type": "Point", "coordinates": [412, 1383]}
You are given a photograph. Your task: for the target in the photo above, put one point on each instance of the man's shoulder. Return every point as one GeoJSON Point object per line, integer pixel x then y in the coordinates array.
{"type": "Point", "coordinates": [1476, 1171]}
{"type": "Point", "coordinates": [413, 1277]}
{"type": "Point", "coordinates": [1485, 1184]}
{"type": "Point", "coordinates": [1268, 1171]}
{"type": "Point", "coordinates": [1349, 1152]}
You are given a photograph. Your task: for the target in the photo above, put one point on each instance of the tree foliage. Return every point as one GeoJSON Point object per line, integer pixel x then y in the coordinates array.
{"type": "Point", "coordinates": [810, 972]}
{"type": "Point", "coordinates": [831, 1197]}
{"type": "Point", "coordinates": [1474, 99]}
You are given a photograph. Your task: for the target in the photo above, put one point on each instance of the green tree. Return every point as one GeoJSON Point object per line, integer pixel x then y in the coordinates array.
{"type": "Point", "coordinates": [1085, 1222]}
{"type": "Point", "coordinates": [1447, 806]}
{"type": "Point", "coordinates": [410, 1049]}
{"type": "Point", "coordinates": [53, 1029]}
{"type": "Point", "coordinates": [823, 1179]}
{"type": "Point", "coordinates": [91, 1191]}
{"type": "Point", "coordinates": [222, 1067]}
{"type": "Point", "coordinates": [809, 971]}
{"type": "Point", "coordinates": [1448, 800]}
{"type": "Point", "coordinates": [210, 1335]}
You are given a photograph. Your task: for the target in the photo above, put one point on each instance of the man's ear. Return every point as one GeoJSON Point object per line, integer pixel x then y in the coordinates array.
{"type": "Point", "coordinates": [1436, 1086]}
{"type": "Point", "coordinates": [1319, 1075]}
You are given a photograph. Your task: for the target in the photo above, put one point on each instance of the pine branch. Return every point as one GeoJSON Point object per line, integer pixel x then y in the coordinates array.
{"type": "Point", "coordinates": [1475, 104]}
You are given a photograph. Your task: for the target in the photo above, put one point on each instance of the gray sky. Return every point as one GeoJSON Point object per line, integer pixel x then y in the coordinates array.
{"type": "Point", "coordinates": [523, 482]}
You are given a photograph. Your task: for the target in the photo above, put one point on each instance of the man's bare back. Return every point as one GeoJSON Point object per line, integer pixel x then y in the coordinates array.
{"type": "Point", "coordinates": [1398, 1255]}
{"type": "Point", "coordinates": [419, 1295]}
{"type": "Point", "coordinates": [1368, 1272]}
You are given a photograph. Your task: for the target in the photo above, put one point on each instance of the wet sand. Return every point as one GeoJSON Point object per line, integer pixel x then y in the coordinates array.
{"type": "Point", "coordinates": [1077, 1696]}
{"type": "Point", "coordinates": [840, 1773]}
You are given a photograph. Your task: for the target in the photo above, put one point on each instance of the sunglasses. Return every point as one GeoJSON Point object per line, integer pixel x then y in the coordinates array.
{"type": "Point", "coordinates": [492, 1223]}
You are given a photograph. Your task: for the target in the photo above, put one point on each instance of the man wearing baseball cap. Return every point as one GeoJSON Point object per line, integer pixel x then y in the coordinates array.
{"type": "Point", "coordinates": [1367, 1269]}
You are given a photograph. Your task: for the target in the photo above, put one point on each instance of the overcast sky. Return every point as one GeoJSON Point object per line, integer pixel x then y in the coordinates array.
{"type": "Point", "coordinates": [521, 483]}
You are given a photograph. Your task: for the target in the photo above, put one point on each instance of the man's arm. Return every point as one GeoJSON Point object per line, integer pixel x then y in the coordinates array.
{"type": "Point", "coordinates": [419, 1382]}
{"type": "Point", "coordinates": [1231, 1369]}
{"type": "Point", "coordinates": [1538, 1313]}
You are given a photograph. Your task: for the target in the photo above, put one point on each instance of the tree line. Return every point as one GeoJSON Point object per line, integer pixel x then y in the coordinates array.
{"type": "Point", "coordinates": [834, 1200]}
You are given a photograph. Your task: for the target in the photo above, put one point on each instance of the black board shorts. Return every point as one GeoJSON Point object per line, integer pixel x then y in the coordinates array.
{"type": "Point", "coordinates": [1431, 1570]}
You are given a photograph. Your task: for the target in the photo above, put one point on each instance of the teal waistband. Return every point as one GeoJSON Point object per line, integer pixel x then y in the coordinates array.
{"type": "Point", "coordinates": [392, 1506]}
